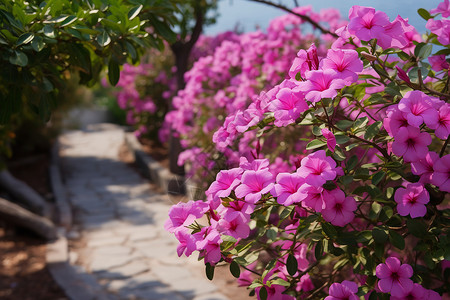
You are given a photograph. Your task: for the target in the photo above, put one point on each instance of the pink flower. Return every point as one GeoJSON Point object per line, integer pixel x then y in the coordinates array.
{"type": "Point", "coordinates": [411, 143]}
{"type": "Point", "coordinates": [209, 244]}
{"type": "Point", "coordinates": [402, 75]}
{"type": "Point", "coordinates": [441, 28]}
{"type": "Point", "coordinates": [366, 23]}
{"type": "Point", "coordinates": [317, 168]}
{"type": "Point", "coordinates": [316, 196]}
{"type": "Point", "coordinates": [443, 8]}
{"type": "Point", "coordinates": [441, 175]}
{"type": "Point", "coordinates": [338, 208]}
{"type": "Point", "coordinates": [345, 62]}
{"type": "Point", "coordinates": [254, 185]}
{"type": "Point", "coordinates": [287, 106]}
{"type": "Point", "coordinates": [226, 181]}
{"type": "Point", "coordinates": [394, 277]}
{"type": "Point", "coordinates": [441, 124]}
{"type": "Point", "coordinates": [187, 243]}
{"type": "Point", "coordinates": [346, 290]}
{"type": "Point", "coordinates": [246, 119]}
{"type": "Point", "coordinates": [418, 108]}
{"type": "Point", "coordinates": [431, 295]}
{"type": "Point", "coordinates": [255, 165]}
{"type": "Point", "coordinates": [235, 225]}
{"type": "Point", "coordinates": [305, 61]}
{"type": "Point", "coordinates": [417, 293]}
{"type": "Point", "coordinates": [395, 119]}
{"type": "Point", "coordinates": [424, 167]}
{"type": "Point", "coordinates": [183, 214]}
{"type": "Point", "coordinates": [331, 140]}
{"type": "Point", "coordinates": [320, 84]}
{"type": "Point", "coordinates": [411, 201]}
{"type": "Point", "coordinates": [288, 189]}
{"type": "Point", "coordinates": [438, 62]}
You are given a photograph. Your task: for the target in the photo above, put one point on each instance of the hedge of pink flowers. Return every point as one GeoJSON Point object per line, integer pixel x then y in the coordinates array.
{"type": "Point", "coordinates": [220, 86]}
{"type": "Point", "coordinates": [364, 214]}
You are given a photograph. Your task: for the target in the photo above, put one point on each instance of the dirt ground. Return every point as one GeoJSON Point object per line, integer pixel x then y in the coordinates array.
{"type": "Point", "coordinates": [23, 274]}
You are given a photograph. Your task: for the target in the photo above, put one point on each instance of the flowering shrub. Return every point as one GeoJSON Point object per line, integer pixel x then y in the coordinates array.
{"type": "Point", "coordinates": [221, 85]}
{"type": "Point", "coordinates": [364, 214]}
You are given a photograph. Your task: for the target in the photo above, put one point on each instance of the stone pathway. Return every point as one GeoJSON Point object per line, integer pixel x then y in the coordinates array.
{"type": "Point", "coordinates": [120, 219]}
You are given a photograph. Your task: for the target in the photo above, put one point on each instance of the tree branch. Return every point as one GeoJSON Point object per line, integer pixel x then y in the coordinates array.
{"type": "Point", "coordinates": [303, 17]}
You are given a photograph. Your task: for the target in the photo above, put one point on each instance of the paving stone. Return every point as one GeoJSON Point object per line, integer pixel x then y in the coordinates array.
{"type": "Point", "coordinates": [169, 274]}
{"type": "Point", "coordinates": [134, 268]}
{"type": "Point", "coordinates": [156, 249]}
{"type": "Point", "coordinates": [214, 296]}
{"type": "Point", "coordinates": [109, 241]}
{"type": "Point", "coordinates": [101, 263]}
{"type": "Point", "coordinates": [190, 287]}
{"type": "Point", "coordinates": [111, 250]}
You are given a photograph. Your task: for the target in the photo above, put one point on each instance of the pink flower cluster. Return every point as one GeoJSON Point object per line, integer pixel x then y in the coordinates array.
{"type": "Point", "coordinates": [404, 122]}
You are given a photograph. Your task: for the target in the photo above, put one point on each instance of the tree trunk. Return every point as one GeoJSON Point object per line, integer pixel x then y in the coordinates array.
{"type": "Point", "coordinates": [22, 193]}
{"type": "Point", "coordinates": [17, 215]}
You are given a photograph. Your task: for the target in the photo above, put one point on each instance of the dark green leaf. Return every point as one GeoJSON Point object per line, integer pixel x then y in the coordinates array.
{"type": "Point", "coordinates": [361, 122]}
{"type": "Point", "coordinates": [315, 144]}
{"type": "Point", "coordinates": [209, 271]}
{"type": "Point", "coordinates": [19, 58]}
{"type": "Point", "coordinates": [379, 235]}
{"type": "Point", "coordinates": [38, 43]}
{"type": "Point", "coordinates": [329, 230]}
{"type": "Point", "coordinates": [396, 239]}
{"type": "Point", "coordinates": [346, 180]}
{"type": "Point", "coordinates": [352, 162]}
{"type": "Point", "coordinates": [113, 72]}
{"type": "Point", "coordinates": [69, 20]}
{"type": "Point", "coordinates": [318, 251]}
{"type": "Point", "coordinates": [164, 30]}
{"type": "Point", "coordinates": [292, 265]}
{"type": "Point", "coordinates": [235, 269]}
{"type": "Point", "coordinates": [424, 13]}
{"type": "Point", "coordinates": [416, 228]}
{"type": "Point", "coordinates": [134, 12]}
{"type": "Point", "coordinates": [425, 51]}
{"type": "Point", "coordinates": [316, 131]}
{"type": "Point", "coordinates": [377, 177]}
{"type": "Point", "coordinates": [103, 39]}
{"type": "Point", "coordinates": [286, 212]}
{"type": "Point", "coordinates": [344, 124]}
{"type": "Point", "coordinates": [271, 234]}
{"type": "Point", "coordinates": [25, 38]}
{"type": "Point", "coordinates": [373, 130]}
{"type": "Point", "coordinates": [341, 139]}
{"type": "Point", "coordinates": [263, 293]}
{"type": "Point", "coordinates": [49, 31]}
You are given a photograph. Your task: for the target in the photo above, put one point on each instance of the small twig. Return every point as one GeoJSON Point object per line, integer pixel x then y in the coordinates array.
{"type": "Point", "coordinates": [303, 17]}
{"type": "Point", "coordinates": [444, 147]}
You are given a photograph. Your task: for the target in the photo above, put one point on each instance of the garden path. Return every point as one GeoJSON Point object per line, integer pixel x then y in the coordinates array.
{"type": "Point", "coordinates": [120, 218]}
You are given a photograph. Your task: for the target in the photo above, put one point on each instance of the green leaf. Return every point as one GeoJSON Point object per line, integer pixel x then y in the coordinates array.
{"type": "Point", "coordinates": [318, 251]}
{"type": "Point", "coordinates": [346, 180]}
{"type": "Point", "coordinates": [263, 293]}
{"type": "Point", "coordinates": [103, 39]}
{"type": "Point", "coordinates": [134, 12]}
{"type": "Point", "coordinates": [19, 58]}
{"type": "Point", "coordinates": [361, 122]}
{"type": "Point", "coordinates": [49, 31]}
{"type": "Point", "coordinates": [351, 162]}
{"type": "Point", "coordinates": [396, 239]}
{"type": "Point", "coordinates": [209, 271]}
{"type": "Point", "coordinates": [292, 265]}
{"type": "Point", "coordinates": [272, 233]}
{"type": "Point", "coordinates": [38, 43]}
{"type": "Point", "coordinates": [286, 212]}
{"type": "Point", "coordinates": [113, 72]}
{"type": "Point", "coordinates": [416, 228]}
{"type": "Point", "coordinates": [314, 144]}
{"type": "Point", "coordinates": [329, 230]}
{"type": "Point", "coordinates": [377, 177]}
{"type": "Point", "coordinates": [235, 269]}
{"type": "Point", "coordinates": [341, 139]}
{"type": "Point", "coordinates": [25, 38]}
{"type": "Point", "coordinates": [425, 51]}
{"type": "Point", "coordinates": [344, 124]}
{"type": "Point", "coordinates": [164, 30]}
{"type": "Point", "coordinates": [373, 130]}
{"type": "Point", "coordinates": [424, 13]}
{"type": "Point", "coordinates": [379, 235]}
{"type": "Point", "coordinates": [69, 20]}
{"type": "Point", "coordinates": [281, 282]}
